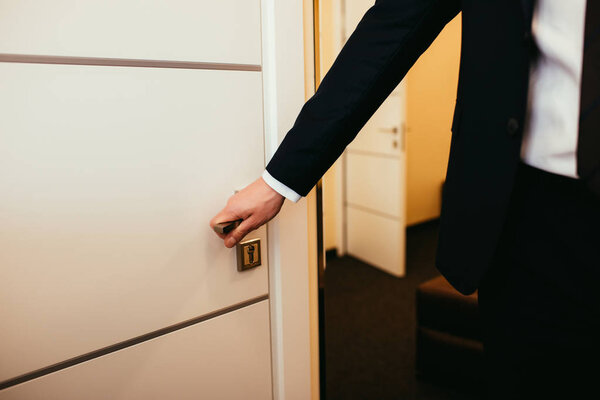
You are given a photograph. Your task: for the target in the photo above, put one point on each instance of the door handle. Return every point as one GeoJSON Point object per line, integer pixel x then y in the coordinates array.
{"type": "Point", "coordinates": [393, 130]}
{"type": "Point", "coordinates": [226, 227]}
{"type": "Point", "coordinates": [248, 252]}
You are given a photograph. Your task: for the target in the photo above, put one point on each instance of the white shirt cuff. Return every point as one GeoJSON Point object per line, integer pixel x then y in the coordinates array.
{"type": "Point", "coordinates": [280, 187]}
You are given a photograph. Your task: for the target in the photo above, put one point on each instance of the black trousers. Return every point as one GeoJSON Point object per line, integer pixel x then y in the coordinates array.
{"type": "Point", "coordinates": [540, 300]}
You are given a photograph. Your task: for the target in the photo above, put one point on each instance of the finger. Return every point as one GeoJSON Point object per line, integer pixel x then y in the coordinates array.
{"type": "Point", "coordinates": [223, 216]}
{"type": "Point", "coordinates": [214, 223]}
{"type": "Point", "coordinates": [235, 236]}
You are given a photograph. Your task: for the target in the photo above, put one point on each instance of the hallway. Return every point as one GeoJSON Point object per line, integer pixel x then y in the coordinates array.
{"type": "Point", "coordinates": [370, 322]}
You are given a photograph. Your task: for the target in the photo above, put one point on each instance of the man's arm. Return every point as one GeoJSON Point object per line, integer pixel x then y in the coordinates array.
{"type": "Point", "coordinates": [386, 43]}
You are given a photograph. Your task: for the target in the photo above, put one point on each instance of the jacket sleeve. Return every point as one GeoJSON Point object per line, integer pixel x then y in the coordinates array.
{"type": "Point", "coordinates": [386, 43]}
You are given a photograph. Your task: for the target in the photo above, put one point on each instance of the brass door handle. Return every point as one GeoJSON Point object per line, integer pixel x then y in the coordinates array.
{"type": "Point", "coordinates": [248, 252]}
{"type": "Point", "coordinates": [393, 130]}
{"type": "Point", "coordinates": [226, 227]}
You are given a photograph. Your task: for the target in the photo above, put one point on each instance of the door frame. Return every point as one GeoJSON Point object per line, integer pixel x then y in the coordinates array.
{"type": "Point", "coordinates": [287, 34]}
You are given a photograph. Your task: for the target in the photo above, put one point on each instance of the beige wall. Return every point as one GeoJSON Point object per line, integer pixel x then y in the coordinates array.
{"type": "Point", "coordinates": [431, 94]}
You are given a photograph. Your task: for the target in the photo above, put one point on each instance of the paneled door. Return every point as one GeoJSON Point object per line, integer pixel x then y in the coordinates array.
{"type": "Point", "coordinates": [375, 177]}
{"type": "Point", "coordinates": [124, 127]}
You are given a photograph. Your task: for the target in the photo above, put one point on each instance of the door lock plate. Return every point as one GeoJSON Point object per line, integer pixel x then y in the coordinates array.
{"type": "Point", "coordinates": [248, 254]}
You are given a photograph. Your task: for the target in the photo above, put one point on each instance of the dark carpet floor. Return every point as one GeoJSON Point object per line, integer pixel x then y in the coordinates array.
{"type": "Point", "coordinates": [370, 326]}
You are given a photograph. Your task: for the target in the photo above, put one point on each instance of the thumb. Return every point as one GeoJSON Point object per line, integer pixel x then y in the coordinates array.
{"type": "Point", "coordinates": [225, 215]}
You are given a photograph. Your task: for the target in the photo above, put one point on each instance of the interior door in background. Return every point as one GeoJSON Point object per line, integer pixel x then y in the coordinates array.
{"type": "Point", "coordinates": [375, 177]}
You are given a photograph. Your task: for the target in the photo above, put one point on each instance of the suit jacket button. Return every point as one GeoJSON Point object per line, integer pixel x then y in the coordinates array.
{"type": "Point", "coordinates": [512, 126]}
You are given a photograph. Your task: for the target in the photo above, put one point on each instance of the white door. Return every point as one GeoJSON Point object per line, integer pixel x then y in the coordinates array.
{"type": "Point", "coordinates": [375, 177]}
{"type": "Point", "coordinates": [124, 127]}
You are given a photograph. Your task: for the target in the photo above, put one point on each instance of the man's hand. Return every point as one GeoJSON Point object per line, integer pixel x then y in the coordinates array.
{"type": "Point", "coordinates": [256, 204]}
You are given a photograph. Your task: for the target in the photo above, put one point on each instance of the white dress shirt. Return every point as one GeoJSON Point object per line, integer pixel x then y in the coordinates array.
{"type": "Point", "coordinates": [552, 127]}
{"type": "Point", "coordinates": [552, 124]}
{"type": "Point", "coordinates": [280, 188]}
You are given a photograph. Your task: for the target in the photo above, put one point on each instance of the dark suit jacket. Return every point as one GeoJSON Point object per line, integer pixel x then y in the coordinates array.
{"type": "Point", "coordinates": [486, 130]}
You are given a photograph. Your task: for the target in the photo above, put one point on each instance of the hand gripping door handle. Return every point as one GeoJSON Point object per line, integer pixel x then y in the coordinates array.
{"type": "Point", "coordinates": [226, 227]}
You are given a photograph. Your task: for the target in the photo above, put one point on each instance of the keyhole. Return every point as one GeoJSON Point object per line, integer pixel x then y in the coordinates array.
{"type": "Point", "coordinates": [251, 254]}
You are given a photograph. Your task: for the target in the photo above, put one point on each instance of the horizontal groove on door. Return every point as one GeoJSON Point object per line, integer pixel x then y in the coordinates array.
{"type": "Point", "coordinates": [124, 62]}
{"type": "Point", "coordinates": [372, 211]}
{"type": "Point", "coordinates": [127, 343]}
